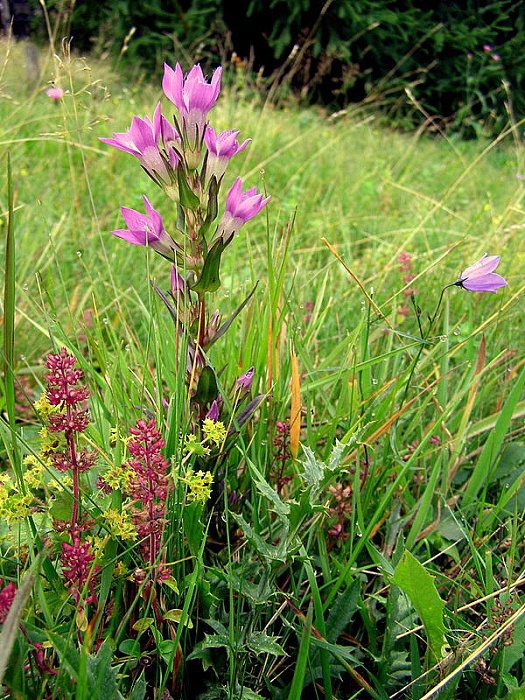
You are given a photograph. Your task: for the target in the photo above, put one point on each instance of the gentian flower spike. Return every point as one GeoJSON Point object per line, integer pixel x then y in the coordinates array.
{"type": "Point", "coordinates": [221, 148]}
{"type": "Point", "coordinates": [240, 208]}
{"type": "Point", "coordinates": [147, 229]}
{"type": "Point", "coordinates": [193, 97]}
{"type": "Point", "coordinates": [480, 277]}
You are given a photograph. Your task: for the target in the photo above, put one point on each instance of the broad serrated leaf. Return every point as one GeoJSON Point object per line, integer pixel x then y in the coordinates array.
{"type": "Point", "coordinates": [261, 643]}
{"type": "Point", "coordinates": [282, 509]}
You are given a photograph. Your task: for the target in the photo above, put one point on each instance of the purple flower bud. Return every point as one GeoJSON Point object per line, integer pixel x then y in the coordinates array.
{"type": "Point", "coordinates": [480, 277]}
{"type": "Point", "coordinates": [178, 285]}
{"type": "Point", "coordinates": [245, 380]}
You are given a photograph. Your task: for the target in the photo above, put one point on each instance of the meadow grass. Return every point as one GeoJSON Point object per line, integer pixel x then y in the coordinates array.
{"type": "Point", "coordinates": [380, 558]}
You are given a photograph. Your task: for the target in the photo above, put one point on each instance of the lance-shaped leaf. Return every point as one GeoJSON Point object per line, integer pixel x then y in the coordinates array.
{"type": "Point", "coordinates": [414, 580]}
{"type": "Point", "coordinates": [209, 280]}
{"type": "Point", "coordinates": [207, 388]}
{"type": "Point", "coordinates": [222, 330]}
{"type": "Point", "coordinates": [188, 198]}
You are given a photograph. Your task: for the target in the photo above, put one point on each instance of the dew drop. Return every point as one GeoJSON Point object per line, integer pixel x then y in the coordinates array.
{"type": "Point", "coordinates": [79, 253]}
{"type": "Point", "coordinates": [443, 338]}
{"type": "Point", "coordinates": [374, 380]}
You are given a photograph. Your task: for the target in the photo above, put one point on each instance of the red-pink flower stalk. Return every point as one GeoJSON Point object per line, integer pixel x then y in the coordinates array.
{"type": "Point", "coordinates": [63, 391]}
{"type": "Point", "coordinates": [7, 595]}
{"type": "Point", "coordinates": [78, 569]}
{"type": "Point", "coordinates": [149, 489]}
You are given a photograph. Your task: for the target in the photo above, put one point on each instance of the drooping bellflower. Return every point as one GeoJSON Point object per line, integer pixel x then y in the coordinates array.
{"type": "Point", "coordinates": [480, 277]}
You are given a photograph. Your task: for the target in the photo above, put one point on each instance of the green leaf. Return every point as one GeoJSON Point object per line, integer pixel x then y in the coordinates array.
{"type": "Point", "coordinates": [188, 198]}
{"type": "Point", "coordinates": [207, 388]}
{"type": "Point", "coordinates": [209, 280]}
{"type": "Point", "coordinates": [193, 528]}
{"type": "Point", "coordinates": [102, 676]}
{"type": "Point", "coordinates": [130, 647]}
{"type": "Point", "coordinates": [493, 445]}
{"type": "Point", "coordinates": [414, 580]}
{"type": "Point", "coordinates": [261, 643]}
{"type": "Point", "coordinates": [62, 508]}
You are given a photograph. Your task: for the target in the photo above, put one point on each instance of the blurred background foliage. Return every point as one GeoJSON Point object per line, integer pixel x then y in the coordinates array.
{"type": "Point", "coordinates": [456, 65]}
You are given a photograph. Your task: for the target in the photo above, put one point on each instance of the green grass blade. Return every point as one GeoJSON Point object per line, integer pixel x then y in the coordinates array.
{"type": "Point", "coordinates": [9, 320]}
{"type": "Point", "coordinates": [296, 689]}
{"type": "Point", "coordinates": [493, 445]}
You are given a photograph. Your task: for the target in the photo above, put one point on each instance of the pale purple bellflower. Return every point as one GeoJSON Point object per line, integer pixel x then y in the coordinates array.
{"type": "Point", "coordinates": [244, 382]}
{"type": "Point", "coordinates": [480, 277]}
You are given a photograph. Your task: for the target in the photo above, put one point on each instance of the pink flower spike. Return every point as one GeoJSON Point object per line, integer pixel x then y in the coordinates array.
{"type": "Point", "coordinates": [193, 96]}
{"type": "Point", "coordinates": [146, 229]}
{"type": "Point", "coordinates": [55, 93]}
{"type": "Point", "coordinates": [480, 277]}
{"type": "Point", "coordinates": [240, 208]}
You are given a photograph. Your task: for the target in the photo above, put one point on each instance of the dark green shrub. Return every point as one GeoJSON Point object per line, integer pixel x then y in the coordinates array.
{"type": "Point", "coordinates": [461, 61]}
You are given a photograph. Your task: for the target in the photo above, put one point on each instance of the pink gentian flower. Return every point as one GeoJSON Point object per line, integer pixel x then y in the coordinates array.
{"type": "Point", "coordinates": [240, 208]}
{"type": "Point", "coordinates": [193, 96]}
{"type": "Point", "coordinates": [244, 382]}
{"type": "Point", "coordinates": [221, 148]}
{"type": "Point", "coordinates": [480, 277]}
{"type": "Point", "coordinates": [55, 93]}
{"type": "Point", "coordinates": [147, 229]}
{"type": "Point", "coordinates": [213, 412]}
{"type": "Point", "coordinates": [143, 140]}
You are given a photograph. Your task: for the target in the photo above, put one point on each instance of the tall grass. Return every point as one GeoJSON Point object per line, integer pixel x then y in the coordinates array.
{"type": "Point", "coordinates": [295, 579]}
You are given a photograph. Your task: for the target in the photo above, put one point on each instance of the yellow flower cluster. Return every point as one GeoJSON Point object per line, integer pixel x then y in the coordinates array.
{"type": "Point", "coordinates": [194, 447]}
{"type": "Point", "coordinates": [120, 524]}
{"type": "Point", "coordinates": [214, 431]}
{"type": "Point", "coordinates": [118, 476]}
{"type": "Point", "coordinates": [199, 485]}
{"type": "Point", "coordinates": [14, 506]}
